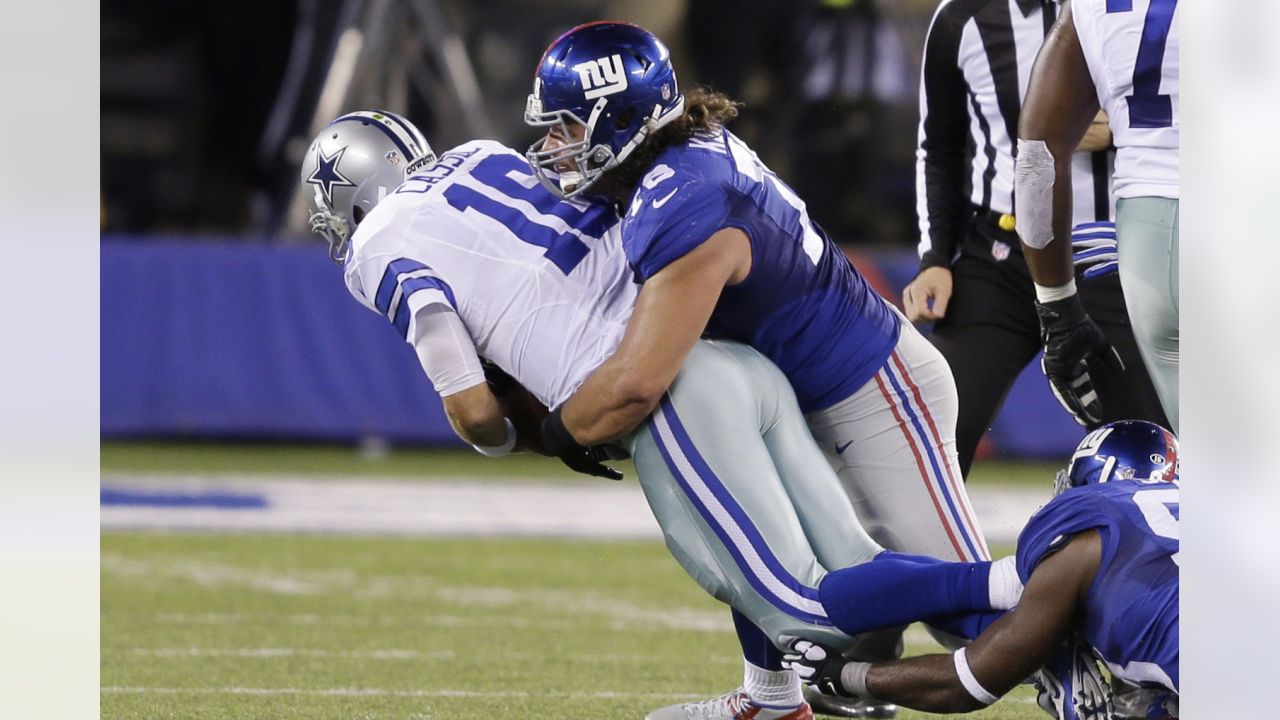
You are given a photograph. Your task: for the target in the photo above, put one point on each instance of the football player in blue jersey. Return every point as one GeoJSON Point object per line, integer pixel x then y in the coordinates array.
{"type": "Point", "coordinates": [725, 249]}
{"type": "Point", "coordinates": [467, 255]}
{"type": "Point", "coordinates": [1100, 568]}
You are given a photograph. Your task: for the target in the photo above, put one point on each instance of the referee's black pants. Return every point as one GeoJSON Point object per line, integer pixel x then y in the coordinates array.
{"type": "Point", "coordinates": [991, 332]}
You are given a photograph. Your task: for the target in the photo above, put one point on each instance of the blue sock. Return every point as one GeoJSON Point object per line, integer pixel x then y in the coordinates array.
{"type": "Point", "coordinates": [757, 648]}
{"type": "Point", "coordinates": [896, 589]}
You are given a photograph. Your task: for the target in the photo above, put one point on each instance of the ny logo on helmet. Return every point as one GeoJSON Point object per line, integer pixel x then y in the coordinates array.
{"type": "Point", "coordinates": [602, 76]}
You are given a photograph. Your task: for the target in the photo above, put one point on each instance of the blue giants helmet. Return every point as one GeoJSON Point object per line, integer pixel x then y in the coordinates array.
{"type": "Point", "coordinates": [612, 79]}
{"type": "Point", "coordinates": [1122, 450]}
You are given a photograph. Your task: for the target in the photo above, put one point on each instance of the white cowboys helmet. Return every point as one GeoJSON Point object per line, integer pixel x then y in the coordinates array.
{"type": "Point", "coordinates": [352, 164]}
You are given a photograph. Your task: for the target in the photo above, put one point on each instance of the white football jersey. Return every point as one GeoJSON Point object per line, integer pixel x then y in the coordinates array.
{"type": "Point", "coordinates": [1131, 47]}
{"type": "Point", "coordinates": [541, 284]}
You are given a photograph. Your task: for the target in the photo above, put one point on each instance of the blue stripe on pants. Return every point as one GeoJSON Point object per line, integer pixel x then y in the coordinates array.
{"type": "Point", "coordinates": [693, 475]}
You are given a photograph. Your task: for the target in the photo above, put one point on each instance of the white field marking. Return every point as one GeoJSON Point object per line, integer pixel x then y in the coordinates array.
{"type": "Point", "coordinates": [293, 652]}
{"type": "Point", "coordinates": [218, 575]}
{"type": "Point", "coordinates": [442, 693]}
{"type": "Point", "coordinates": [617, 612]}
{"type": "Point", "coordinates": [455, 507]}
{"type": "Point", "coordinates": [638, 621]}
{"type": "Point", "coordinates": [360, 621]}
{"type": "Point", "coordinates": [271, 653]}
{"type": "Point", "coordinates": [379, 692]}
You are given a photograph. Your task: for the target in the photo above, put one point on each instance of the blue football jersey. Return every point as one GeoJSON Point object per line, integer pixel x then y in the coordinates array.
{"type": "Point", "coordinates": [803, 305]}
{"type": "Point", "coordinates": [1131, 610]}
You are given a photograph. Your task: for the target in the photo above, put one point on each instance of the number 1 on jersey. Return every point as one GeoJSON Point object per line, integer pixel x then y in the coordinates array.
{"type": "Point", "coordinates": [563, 249]}
{"type": "Point", "coordinates": [1147, 107]}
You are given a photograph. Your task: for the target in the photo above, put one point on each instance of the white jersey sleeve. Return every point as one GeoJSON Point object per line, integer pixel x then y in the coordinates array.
{"type": "Point", "coordinates": [541, 284]}
{"type": "Point", "coordinates": [1131, 47]}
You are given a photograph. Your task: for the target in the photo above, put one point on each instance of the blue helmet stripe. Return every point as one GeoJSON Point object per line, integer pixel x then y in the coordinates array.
{"type": "Point", "coordinates": [415, 136]}
{"type": "Point", "coordinates": [404, 149]}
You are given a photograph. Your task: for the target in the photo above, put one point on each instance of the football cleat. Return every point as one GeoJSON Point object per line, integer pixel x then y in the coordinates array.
{"type": "Point", "coordinates": [735, 705]}
{"type": "Point", "coordinates": [1071, 685]}
{"type": "Point", "coordinates": [833, 706]}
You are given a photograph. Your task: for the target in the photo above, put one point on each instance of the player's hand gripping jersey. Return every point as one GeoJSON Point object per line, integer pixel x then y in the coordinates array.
{"type": "Point", "coordinates": [803, 305]}
{"type": "Point", "coordinates": [1131, 610]}
{"type": "Point", "coordinates": [477, 232]}
{"type": "Point", "coordinates": [1131, 48]}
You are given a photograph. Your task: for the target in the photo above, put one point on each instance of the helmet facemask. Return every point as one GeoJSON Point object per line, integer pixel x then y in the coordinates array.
{"type": "Point", "coordinates": [332, 226]}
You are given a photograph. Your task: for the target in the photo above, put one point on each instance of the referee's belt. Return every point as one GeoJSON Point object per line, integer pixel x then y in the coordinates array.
{"type": "Point", "coordinates": [1004, 221]}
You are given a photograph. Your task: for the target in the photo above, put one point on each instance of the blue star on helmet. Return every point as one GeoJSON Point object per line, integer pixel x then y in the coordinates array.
{"type": "Point", "coordinates": [326, 174]}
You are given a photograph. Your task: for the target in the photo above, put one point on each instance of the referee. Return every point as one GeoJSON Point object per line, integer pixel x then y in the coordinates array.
{"type": "Point", "coordinates": [973, 279]}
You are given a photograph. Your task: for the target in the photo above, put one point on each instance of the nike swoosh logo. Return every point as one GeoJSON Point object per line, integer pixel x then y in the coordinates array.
{"type": "Point", "coordinates": [663, 201]}
{"type": "Point", "coordinates": [841, 448]}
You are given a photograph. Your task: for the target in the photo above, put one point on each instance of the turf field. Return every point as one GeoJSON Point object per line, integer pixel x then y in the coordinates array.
{"type": "Point", "coordinates": [201, 625]}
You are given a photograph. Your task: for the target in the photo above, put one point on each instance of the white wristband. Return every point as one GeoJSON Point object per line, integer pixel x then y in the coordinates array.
{"type": "Point", "coordinates": [1062, 292]}
{"type": "Point", "coordinates": [970, 682]}
{"type": "Point", "coordinates": [504, 448]}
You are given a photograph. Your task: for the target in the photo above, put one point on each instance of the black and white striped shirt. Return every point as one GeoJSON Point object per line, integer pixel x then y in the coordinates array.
{"type": "Point", "coordinates": [977, 64]}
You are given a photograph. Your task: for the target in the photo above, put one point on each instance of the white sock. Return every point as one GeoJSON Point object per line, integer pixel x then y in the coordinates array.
{"type": "Point", "coordinates": [1004, 588]}
{"type": "Point", "coordinates": [778, 688]}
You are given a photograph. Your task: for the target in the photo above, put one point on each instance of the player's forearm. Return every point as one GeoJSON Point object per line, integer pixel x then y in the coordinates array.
{"type": "Point", "coordinates": [613, 401]}
{"type": "Point", "coordinates": [927, 683]}
{"type": "Point", "coordinates": [476, 417]}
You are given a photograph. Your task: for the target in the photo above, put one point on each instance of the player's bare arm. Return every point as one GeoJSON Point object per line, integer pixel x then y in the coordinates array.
{"type": "Point", "coordinates": [476, 416]}
{"type": "Point", "coordinates": [1061, 105]}
{"type": "Point", "coordinates": [670, 315]}
{"type": "Point", "coordinates": [1005, 654]}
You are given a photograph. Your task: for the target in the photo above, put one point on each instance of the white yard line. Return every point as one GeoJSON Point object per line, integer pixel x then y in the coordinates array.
{"type": "Point", "coordinates": [272, 653]}
{"type": "Point", "coordinates": [462, 507]}
{"type": "Point", "coordinates": [379, 692]}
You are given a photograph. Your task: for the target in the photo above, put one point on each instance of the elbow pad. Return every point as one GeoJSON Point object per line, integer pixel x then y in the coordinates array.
{"type": "Point", "coordinates": [1033, 193]}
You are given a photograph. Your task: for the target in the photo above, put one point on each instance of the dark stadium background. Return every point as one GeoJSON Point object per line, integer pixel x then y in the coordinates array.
{"type": "Point", "coordinates": [223, 321]}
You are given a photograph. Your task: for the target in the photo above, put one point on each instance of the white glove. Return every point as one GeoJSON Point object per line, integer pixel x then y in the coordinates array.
{"type": "Point", "coordinates": [1094, 248]}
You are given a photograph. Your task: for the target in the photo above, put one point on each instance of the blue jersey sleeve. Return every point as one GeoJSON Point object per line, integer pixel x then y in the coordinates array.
{"type": "Point", "coordinates": [667, 222]}
{"type": "Point", "coordinates": [1054, 525]}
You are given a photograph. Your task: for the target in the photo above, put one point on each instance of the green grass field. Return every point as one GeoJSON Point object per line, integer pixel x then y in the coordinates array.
{"type": "Point", "coordinates": [326, 626]}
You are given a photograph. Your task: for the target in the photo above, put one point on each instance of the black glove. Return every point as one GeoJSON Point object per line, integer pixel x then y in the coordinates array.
{"type": "Point", "coordinates": [557, 441]}
{"type": "Point", "coordinates": [818, 666]}
{"type": "Point", "coordinates": [1072, 340]}
{"type": "Point", "coordinates": [500, 383]}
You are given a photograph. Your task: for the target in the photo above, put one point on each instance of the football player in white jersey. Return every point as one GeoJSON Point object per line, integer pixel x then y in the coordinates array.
{"type": "Point", "coordinates": [472, 257]}
{"type": "Point", "coordinates": [1122, 56]}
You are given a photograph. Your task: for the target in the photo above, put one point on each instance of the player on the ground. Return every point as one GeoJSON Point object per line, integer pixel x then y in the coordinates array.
{"type": "Point", "coordinates": [472, 257]}
{"type": "Point", "coordinates": [725, 248]}
{"type": "Point", "coordinates": [1100, 566]}
{"type": "Point", "coordinates": [1122, 55]}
